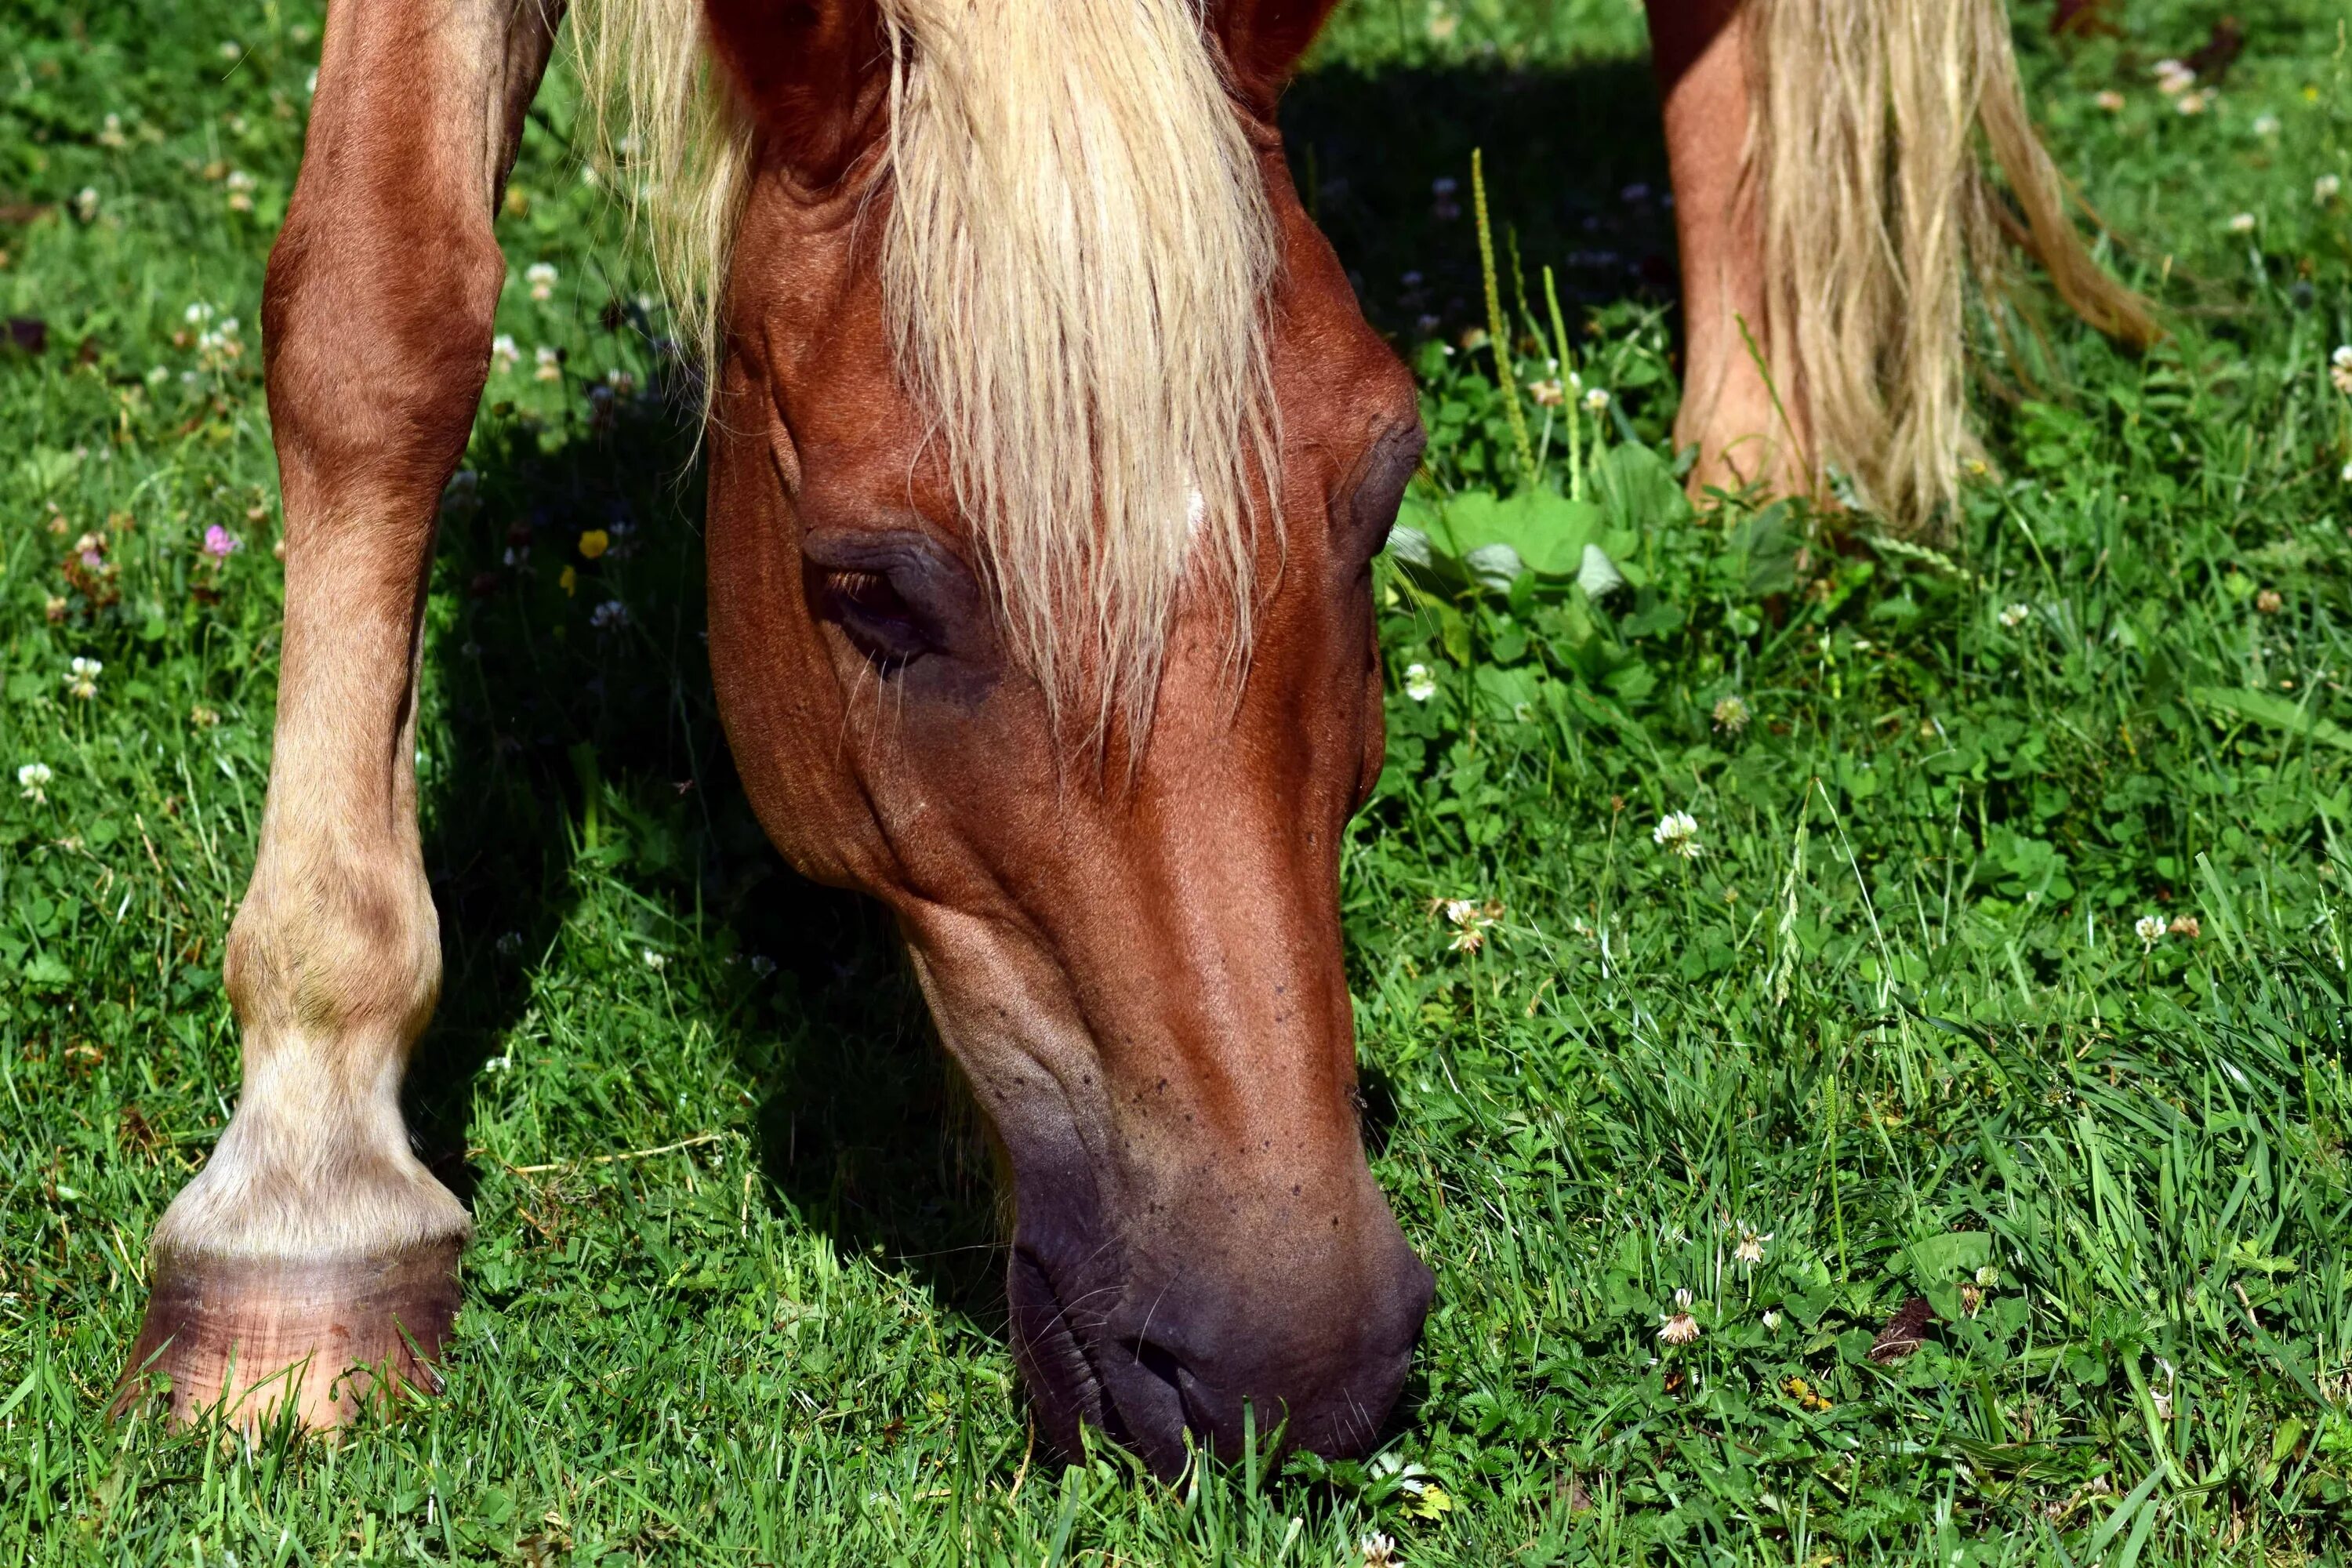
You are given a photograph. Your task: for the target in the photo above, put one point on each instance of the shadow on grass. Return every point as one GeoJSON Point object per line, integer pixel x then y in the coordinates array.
{"type": "Point", "coordinates": [551, 699]}
{"type": "Point", "coordinates": [1576, 178]}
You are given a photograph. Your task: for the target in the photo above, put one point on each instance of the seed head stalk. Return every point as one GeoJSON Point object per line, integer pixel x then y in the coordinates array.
{"type": "Point", "coordinates": [1498, 339]}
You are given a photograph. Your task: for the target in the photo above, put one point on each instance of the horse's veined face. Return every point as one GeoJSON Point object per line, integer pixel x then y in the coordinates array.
{"type": "Point", "coordinates": [1134, 954]}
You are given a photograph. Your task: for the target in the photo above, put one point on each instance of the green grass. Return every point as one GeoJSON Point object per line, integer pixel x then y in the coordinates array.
{"type": "Point", "coordinates": [1895, 1015]}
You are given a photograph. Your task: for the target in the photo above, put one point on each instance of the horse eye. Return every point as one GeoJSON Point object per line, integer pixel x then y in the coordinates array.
{"type": "Point", "coordinates": [876, 616]}
{"type": "Point", "coordinates": [869, 591]}
{"type": "Point", "coordinates": [1379, 487]}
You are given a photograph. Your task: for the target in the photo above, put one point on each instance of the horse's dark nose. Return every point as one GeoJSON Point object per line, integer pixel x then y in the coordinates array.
{"type": "Point", "coordinates": [1315, 1341]}
{"type": "Point", "coordinates": [1327, 1365]}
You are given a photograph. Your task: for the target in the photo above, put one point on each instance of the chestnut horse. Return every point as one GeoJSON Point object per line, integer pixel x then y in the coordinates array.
{"type": "Point", "coordinates": [1049, 456]}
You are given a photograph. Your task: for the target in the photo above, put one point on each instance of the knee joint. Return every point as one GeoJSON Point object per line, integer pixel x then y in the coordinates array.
{"type": "Point", "coordinates": [337, 951]}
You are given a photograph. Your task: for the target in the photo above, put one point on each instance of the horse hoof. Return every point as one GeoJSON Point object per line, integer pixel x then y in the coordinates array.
{"type": "Point", "coordinates": [253, 1338]}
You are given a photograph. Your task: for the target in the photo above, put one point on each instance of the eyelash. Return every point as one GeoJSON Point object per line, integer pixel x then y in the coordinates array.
{"type": "Point", "coordinates": [875, 618]}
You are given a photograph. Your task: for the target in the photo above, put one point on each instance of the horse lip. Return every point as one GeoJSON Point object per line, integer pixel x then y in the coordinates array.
{"type": "Point", "coordinates": [1097, 1379]}
{"type": "Point", "coordinates": [1062, 1375]}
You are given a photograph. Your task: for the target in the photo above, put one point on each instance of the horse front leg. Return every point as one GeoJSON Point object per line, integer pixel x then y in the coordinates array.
{"type": "Point", "coordinates": [1748, 424]}
{"type": "Point", "coordinates": [313, 1242]}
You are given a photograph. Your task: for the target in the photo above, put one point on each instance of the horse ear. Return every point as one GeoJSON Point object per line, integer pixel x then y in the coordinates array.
{"type": "Point", "coordinates": [811, 72]}
{"type": "Point", "coordinates": [1263, 39]}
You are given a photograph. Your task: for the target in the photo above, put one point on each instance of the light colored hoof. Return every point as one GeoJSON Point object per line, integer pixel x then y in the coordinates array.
{"type": "Point", "coordinates": [251, 1338]}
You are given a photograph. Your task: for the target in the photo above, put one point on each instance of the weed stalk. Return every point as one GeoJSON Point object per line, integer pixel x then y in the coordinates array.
{"type": "Point", "coordinates": [1565, 369]}
{"type": "Point", "coordinates": [1498, 338]}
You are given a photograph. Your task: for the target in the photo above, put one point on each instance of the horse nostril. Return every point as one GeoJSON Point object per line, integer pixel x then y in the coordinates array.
{"type": "Point", "coordinates": [1227, 1358]}
{"type": "Point", "coordinates": [1158, 1359]}
{"type": "Point", "coordinates": [1228, 1352]}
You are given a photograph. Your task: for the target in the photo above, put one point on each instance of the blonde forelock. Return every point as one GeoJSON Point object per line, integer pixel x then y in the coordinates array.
{"type": "Point", "coordinates": [1077, 246]}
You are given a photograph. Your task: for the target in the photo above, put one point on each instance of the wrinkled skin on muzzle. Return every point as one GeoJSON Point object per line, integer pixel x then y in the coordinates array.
{"type": "Point", "coordinates": [1133, 952]}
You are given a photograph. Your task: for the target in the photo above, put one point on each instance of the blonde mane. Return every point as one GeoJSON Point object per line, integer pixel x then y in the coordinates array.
{"type": "Point", "coordinates": [1076, 248]}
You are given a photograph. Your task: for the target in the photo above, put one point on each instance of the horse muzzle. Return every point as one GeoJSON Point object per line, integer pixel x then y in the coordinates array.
{"type": "Point", "coordinates": [1183, 1342]}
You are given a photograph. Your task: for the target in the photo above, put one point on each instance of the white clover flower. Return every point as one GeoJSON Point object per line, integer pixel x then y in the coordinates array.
{"type": "Point", "coordinates": [2242, 223]}
{"type": "Point", "coordinates": [34, 778]}
{"type": "Point", "coordinates": [82, 677]}
{"type": "Point", "coordinates": [85, 203]}
{"type": "Point", "coordinates": [541, 278]}
{"type": "Point", "coordinates": [1380, 1551]}
{"type": "Point", "coordinates": [1474, 920]}
{"type": "Point", "coordinates": [2327, 188]}
{"type": "Point", "coordinates": [197, 314]}
{"type": "Point", "coordinates": [110, 134]}
{"type": "Point", "coordinates": [1546, 394]}
{"type": "Point", "coordinates": [2111, 101]}
{"type": "Point", "coordinates": [1419, 684]}
{"type": "Point", "coordinates": [2345, 475]}
{"type": "Point", "coordinates": [1732, 715]}
{"type": "Point", "coordinates": [654, 960]}
{"type": "Point", "coordinates": [240, 191]}
{"type": "Point", "coordinates": [1678, 834]}
{"type": "Point", "coordinates": [2339, 369]}
{"type": "Point", "coordinates": [2149, 929]}
{"type": "Point", "coordinates": [1750, 1250]}
{"type": "Point", "coordinates": [549, 363]}
{"type": "Point", "coordinates": [1596, 400]}
{"type": "Point", "coordinates": [504, 355]}
{"type": "Point", "coordinates": [1678, 1327]}
{"type": "Point", "coordinates": [609, 616]}
{"type": "Point", "coordinates": [1772, 1319]}
{"type": "Point", "coordinates": [2190, 102]}
{"type": "Point", "coordinates": [2015, 615]}
{"type": "Point", "coordinates": [2266, 125]}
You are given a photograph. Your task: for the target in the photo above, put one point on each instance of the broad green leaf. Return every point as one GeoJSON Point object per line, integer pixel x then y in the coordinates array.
{"type": "Point", "coordinates": [1546, 531]}
{"type": "Point", "coordinates": [1638, 490]}
{"type": "Point", "coordinates": [1941, 1259]}
{"type": "Point", "coordinates": [2277, 712]}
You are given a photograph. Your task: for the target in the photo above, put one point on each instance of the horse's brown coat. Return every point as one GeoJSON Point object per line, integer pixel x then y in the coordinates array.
{"type": "Point", "coordinates": [1698, 48]}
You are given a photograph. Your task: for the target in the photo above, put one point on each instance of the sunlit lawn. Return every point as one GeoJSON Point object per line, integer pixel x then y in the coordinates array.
{"type": "Point", "coordinates": [2005, 970]}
